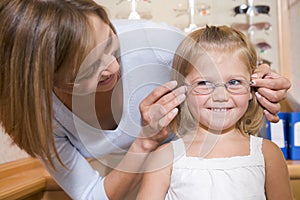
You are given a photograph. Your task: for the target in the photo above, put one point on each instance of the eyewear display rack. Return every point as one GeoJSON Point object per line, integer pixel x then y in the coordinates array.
{"type": "Point", "coordinates": [258, 17]}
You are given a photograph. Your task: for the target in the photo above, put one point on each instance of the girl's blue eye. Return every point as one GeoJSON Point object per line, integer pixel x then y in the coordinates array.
{"type": "Point", "coordinates": [234, 82]}
{"type": "Point", "coordinates": [204, 83]}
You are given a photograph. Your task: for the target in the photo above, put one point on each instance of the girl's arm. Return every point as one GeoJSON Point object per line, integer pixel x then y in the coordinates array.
{"type": "Point", "coordinates": [277, 176]}
{"type": "Point", "coordinates": [156, 181]}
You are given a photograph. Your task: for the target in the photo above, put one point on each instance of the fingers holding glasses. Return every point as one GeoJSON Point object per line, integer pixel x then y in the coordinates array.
{"type": "Point", "coordinates": [271, 117]}
{"type": "Point", "coordinates": [271, 109]}
{"type": "Point", "coordinates": [158, 109]}
{"type": "Point", "coordinates": [272, 95]}
{"type": "Point", "coordinates": [157, 93]}
{"type": "Point", "coordinates": [164, 105]}
{"type": "Point", "coordinates": [273, 81]}
{"type": "Point", "coordinates": [271, 89]}
{"type": "Point", "coordinates": [270, 85]}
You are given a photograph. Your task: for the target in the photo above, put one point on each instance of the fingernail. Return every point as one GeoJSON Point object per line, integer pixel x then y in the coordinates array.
{"type": "Point", "coordinates": [174, 111]}
{"type": "Point", "coordinates": [254, 76]}
{"type": "Point", "coordinates": [252, 83]}
{"type": "Point", "coordinates": [266, 112]}
{"type": "Point", "coordinates": [182, 89]}
{"type": "Point", "coordinates": [257, 95]}
{"type": "Point", "coordinates": [171, 84]}
{"type": "Point", "coordinates": [181, 98]}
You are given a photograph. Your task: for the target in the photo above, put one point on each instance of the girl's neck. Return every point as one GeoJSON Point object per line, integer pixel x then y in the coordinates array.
{"type": "Point", "coordinates": [206, 144]}
{"type": "Point", "coordinates": [202, 132]}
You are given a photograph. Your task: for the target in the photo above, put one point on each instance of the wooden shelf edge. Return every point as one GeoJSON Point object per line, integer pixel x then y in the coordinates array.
{"type": "Point", "coordinates": [14, 167]}
{"type": "Point", "coordinates": [24, 190]}
{"type": "Point", "coordinates": [294, 169]}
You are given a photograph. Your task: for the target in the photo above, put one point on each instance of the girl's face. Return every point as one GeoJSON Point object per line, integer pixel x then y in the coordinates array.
{"type": "Point", "coordinates": [220, 110]}
{"type": "Point", "coordinates": [100, 69]}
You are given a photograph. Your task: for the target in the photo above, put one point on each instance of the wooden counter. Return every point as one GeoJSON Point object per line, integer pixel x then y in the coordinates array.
{"type": "Point", "coordinates": [24, 179]}
{"type": "Point", "coordinates": [294, 169]}
{"type": "Point", "coordinates": [27, 179]}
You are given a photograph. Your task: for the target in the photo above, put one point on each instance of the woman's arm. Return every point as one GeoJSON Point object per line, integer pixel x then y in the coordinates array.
{"type": "Point", "coordinates": [158, 109]}
{"type": "Point", "coordinates": [271, 89]}
{"type": "Point", "coordinates": [277, 176]}
{"type": "Point", "coordinates": [77, 178]}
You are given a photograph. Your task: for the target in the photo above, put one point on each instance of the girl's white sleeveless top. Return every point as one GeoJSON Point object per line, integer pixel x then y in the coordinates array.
{"type": "Point", "coordinates": [233, 178]}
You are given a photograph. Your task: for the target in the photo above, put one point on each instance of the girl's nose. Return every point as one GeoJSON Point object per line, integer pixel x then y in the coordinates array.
{"type": "Point", "coordinates": [220, 94]}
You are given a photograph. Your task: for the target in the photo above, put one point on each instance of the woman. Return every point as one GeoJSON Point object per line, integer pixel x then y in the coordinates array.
{"type": "Point", "coordinates": [63, 99]}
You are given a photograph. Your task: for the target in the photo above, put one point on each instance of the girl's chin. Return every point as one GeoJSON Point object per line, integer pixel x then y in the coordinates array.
{"type": "Point", "coordinates": [218, 128]}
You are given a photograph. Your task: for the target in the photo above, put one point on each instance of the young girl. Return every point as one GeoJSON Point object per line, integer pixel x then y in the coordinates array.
{"type": "Point", "coordinates": [217, 155]}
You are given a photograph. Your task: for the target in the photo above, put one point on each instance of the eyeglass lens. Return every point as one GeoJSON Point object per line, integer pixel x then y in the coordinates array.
{"type": "Point", "coordinates": [233, 87]}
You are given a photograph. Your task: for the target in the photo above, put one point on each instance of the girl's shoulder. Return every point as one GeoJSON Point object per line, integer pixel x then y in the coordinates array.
{"type": "Point", "coordinates": [271, 151]}
{"type": "Point", "coordinates": [277, 177]}
{"type": "Point", "coordinates": [269, 147]}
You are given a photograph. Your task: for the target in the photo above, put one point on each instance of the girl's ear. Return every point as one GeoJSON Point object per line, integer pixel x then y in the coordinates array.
{"type": "Point", "coordinates": [250, 96]}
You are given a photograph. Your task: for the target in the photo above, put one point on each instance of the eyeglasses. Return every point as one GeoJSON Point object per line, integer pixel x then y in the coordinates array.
{"type": "Point", "coordinates": [256, 26]}
{"type": "Point", "coordinates": [263, 61]}
{"type": "Point", "coordinates": [252, 10]}
{"type": "Point", "coordinates": [263, 46]}
{"type": "Point", "coordinates": [233, 86]}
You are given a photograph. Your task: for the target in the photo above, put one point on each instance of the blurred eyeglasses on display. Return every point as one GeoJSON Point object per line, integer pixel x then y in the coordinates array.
{"type": "Point", "coordinates": [252, 10]}
{"type": "Point", "coordinates": [262, 46]}
{"type": "Point", "coordinates": [259, 26]}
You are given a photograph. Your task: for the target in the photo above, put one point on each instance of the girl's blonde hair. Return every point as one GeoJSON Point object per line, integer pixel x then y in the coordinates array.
{"type": "Point", "coordinates": [37, 39]}
{"type": "Point", "coordinates": [195, 45]}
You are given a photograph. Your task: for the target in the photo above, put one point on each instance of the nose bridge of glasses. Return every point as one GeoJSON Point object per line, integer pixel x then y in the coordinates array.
{"type": "Point", "coordinates": [234, 89]}
{"type": "Point", "coordinates": [220, 92]}
{"type": "Point", "coordinates": [220, 85]}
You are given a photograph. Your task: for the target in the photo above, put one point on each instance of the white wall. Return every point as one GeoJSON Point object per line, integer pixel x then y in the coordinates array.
{"type": "Point", "coordinates": [294, 93]}
{"type": "Point", "coordinates": [8, 151]}
{"type": "Point", "coordinates": [221, 13]}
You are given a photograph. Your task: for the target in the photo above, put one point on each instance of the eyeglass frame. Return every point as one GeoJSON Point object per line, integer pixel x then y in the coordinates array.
{"type": "Point", "coordinates": [257, 26]}
{"type": "Point", "coordinates": [246, 84]}
{"type": "Point", "coordinates": [259, 9]}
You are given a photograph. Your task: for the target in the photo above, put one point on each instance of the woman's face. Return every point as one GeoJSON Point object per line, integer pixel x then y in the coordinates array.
{"type": "Point", "coordinates": [220, 110]}
{"type": "Point", "coordinates": [100, 69]}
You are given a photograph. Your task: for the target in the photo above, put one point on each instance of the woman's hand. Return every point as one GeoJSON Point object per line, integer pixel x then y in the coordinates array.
{"type": "Point", "coordinates": [271, 89]}
{"type": "Point", "coordinates": [158, 109]}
